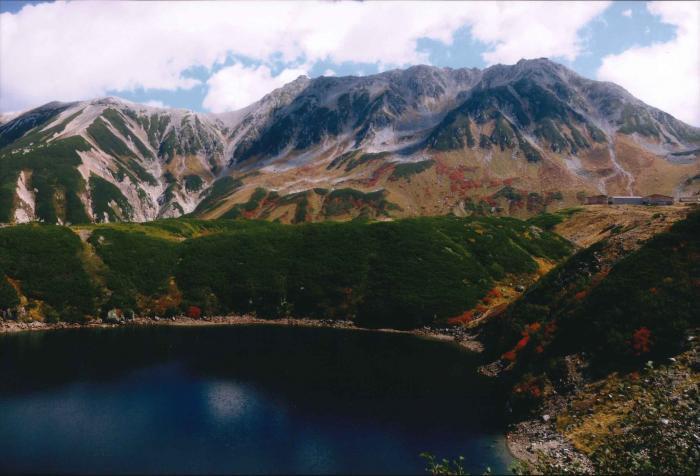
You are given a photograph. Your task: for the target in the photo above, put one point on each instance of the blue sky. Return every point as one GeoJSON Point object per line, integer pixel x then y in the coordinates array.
{"type": "Point", "coordinates": [223, 56]}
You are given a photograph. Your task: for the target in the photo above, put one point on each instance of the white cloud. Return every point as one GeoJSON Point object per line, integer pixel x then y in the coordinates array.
{"type": "Point", "coordinates": [77, 50]}
{"type": "Point", "coordinates": [665, 75]}
{"type": "Point", "coordinates": [329, 72]}
{"type": "Point", "coordinates": [235, 87]}
{"type": "Point", "coordinates": [627, 13]}
{"type": "Point", "coordinates": [516, 30]}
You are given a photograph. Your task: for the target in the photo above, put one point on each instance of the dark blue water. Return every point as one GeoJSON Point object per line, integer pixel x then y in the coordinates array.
{"type": "Point", "coordinates": [241, 400]}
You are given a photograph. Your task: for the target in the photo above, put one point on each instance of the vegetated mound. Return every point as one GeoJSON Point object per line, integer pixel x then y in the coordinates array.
{"type": "Point", "coordinates": [400, 274]}
{"type": "Point", "coordinates": [578, 348]}
{"type": "Point", "coordinates": [638, 308]}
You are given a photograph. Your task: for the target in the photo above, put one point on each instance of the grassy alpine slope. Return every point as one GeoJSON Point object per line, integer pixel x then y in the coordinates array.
{"type": "Point", "coordinates": [400, 274]}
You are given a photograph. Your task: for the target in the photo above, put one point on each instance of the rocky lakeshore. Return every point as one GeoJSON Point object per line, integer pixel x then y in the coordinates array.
{"type": "Point", "coordinates": [623, 422]}
{"type": "Point", "coordinates": [536, 441]}
{"type": "Point", "coordinates": [459, 336]}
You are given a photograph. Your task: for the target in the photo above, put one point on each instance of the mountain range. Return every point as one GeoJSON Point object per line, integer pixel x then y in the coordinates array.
{"type": "Point", "coordinates": [510, 140]}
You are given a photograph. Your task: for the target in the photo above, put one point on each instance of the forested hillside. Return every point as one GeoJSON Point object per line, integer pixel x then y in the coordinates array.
{"type": "Point", "coordinates": [400, 274]}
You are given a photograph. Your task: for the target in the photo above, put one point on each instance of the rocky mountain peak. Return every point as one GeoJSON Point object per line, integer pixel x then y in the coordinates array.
{"type": "Point", "coordinates": [536, 126]}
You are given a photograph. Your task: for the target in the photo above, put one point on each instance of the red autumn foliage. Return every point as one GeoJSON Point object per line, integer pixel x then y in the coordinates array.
{"type": "Point", "coordinates": [461, 319]}
{"type": "Point", "coordinates": [653, 290]}
{"type": "Point", "coordinates": [494, 293]}
{"type": "Point", "coordinates": [530, 388]}
{"type": "Point", "coordinates": [486, 300]}
{"type": "Point", "coordinates": [534, 327]}
{"type": "Point", "coordinates": [550, 328]}
{"type": "Point", "coordinates": [509, 356]}
{"type": "Point", "coordinates": [580, 295]}
{"type": "Point", "coordinates": [380, 172]}
{"type": "Point", "coordinates": [641, 341]}
{"type": "Point", "coordinates": [194, 312]}
{"type": "Point", "coordinates": [458, 182]}
{"type": "Point", "coordinates": [539, 349]}
{"type": "Point", "coordinates": [522, 343]}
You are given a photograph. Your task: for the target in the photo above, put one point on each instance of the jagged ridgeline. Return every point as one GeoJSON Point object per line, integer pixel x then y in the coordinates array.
{"type": "Point", "coordinates": [400, 274]}
{"type": "Point", "coordinates": [507, 140]}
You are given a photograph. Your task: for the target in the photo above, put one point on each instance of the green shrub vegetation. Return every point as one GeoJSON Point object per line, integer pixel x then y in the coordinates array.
{"type": "Point", "coordinates": [25, 129]}
{"type": "Point", "coordinates": [398, 274]}
{"type": "Point", "coordinates": [359, 270]}
{"type": "Point", "coordinates": [113, 116]}
{"type": "Point", "coordinates": [106, 140]}
{"type": "Point", "coordinates": [343, 200]}
{"type": "Point", "coordinates": [45, 260]}
{"type": "Point", "coordinates": [102, 194]}
{"type": "Point", "coordinates": [54, 175]}
{"type": "Point", "coordinates": [409, 169]}
{"type": "Point", "coordinates": [252, 204]}
{"type": "Point", "coordinates": [137, 263]}
{"type": "Point", "coordinates": [547, 221]}
{"type": "Point", "coordinates": [354, 159]}
{"type": "Point", "coordinates": [453, 133]}
{"type": "Point", "coordinates": [217, 191]}
{"type": "Point", "coordinates": [654, 289]}
{"type": "Point", "coordinates": [503, 134]}
{"type": "Point", "coordinates": [637, 119]}
{"type": "Point", "coordinates": [596, 134]}
{"type": "Point", "coordinates": [193, 183]}
{"type": "Point", "coordinates": [549, 132]}
{"type": "Point", "coordinates": [8, 295]}
{"type": "Point", "coordinates": [301, 200]}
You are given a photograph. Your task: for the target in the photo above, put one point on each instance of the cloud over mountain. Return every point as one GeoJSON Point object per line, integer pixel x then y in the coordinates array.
{"type": "Point", "coordinates": [77, 50]}
{"type": "Point", "coordinates": [666, 75]}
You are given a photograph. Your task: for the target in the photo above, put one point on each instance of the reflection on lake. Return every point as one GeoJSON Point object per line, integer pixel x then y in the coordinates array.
{"type": "Point", "coordinates": [241, 399]}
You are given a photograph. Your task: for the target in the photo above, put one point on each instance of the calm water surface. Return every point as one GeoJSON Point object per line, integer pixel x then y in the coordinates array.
{"type": "Point", "coordinates": [241, 400]}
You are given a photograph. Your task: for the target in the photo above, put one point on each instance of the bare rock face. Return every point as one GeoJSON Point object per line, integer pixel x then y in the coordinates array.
{"type": "Point", "coordinates": [507, 140]}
